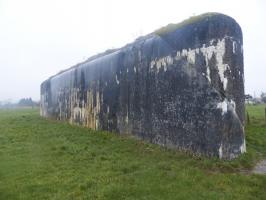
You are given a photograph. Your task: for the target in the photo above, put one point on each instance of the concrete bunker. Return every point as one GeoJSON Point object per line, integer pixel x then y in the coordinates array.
{"type": "Point", "coordinates": [181, 86]}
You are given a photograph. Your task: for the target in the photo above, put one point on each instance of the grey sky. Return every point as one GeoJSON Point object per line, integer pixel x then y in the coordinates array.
{"type": "Point", "coordinates": [41, 37]}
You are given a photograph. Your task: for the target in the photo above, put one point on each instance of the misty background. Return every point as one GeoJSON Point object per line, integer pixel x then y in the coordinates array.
{"type": "Point", "coordinates": [39, 38]}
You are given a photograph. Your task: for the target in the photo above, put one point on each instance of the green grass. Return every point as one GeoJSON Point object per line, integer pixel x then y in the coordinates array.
{"type": "Point", "coordinates": [256, 132]}
{"type": "Point", "coordinates": [45, 159]}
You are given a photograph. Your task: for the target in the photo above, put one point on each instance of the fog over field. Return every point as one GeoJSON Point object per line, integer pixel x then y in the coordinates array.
{"type": "Point", "coordinates": [40, 38]}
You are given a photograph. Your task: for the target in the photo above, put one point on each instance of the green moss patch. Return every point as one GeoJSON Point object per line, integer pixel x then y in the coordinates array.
{"type": "Point", "coordinates": [172, 27]}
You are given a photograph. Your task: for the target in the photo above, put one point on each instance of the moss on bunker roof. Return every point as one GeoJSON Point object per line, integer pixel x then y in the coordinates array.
{"type": "Point", "coordinates": [194, 19]}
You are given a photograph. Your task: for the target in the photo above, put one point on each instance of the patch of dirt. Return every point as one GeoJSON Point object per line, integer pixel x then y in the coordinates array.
{"type": "Point", "coordinates": [260, 168]}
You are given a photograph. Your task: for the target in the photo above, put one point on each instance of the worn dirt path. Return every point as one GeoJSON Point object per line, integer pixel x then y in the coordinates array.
{"type": "Point", "coordinates": [260, 168]}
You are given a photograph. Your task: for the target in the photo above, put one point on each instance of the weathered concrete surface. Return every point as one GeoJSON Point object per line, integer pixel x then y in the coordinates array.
{"type": "Point", "coordinates": [180, 87]}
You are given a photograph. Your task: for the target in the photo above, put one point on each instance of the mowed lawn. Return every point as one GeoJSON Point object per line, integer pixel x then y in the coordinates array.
{"type": "Point", "coordinates": [46, 159]}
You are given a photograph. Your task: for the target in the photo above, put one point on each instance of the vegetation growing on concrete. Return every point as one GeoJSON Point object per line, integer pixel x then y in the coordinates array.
{"type": "Point", "coordinates": [172, 27]}
{"type": "Point", "coordinates": [45, 159]}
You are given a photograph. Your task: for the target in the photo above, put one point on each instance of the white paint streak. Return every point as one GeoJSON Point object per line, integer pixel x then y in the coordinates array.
{"type": "Point", "coordinates": [219, 52]}
{"type": "Point", "coordinates": [214, 48]}
{"type": "Point", "coordinates": [226, 106]}
{"type": "Point", "coordinates": [243, 147]}
{"type": "Point", "coordinates": [178, 55]}
{"type": "Point", "coordinates": [208, 75]}
{"type": "Point", "coordinates": [117, 81]}
{"type": "Point", "coordinates": [191, 56]}
{"type": "Point", "coordinates": [158, 65]}
{"type": "Point", "coordinates": [162, 62]}
{"type": "Point", "coordinates": [225, 83]}
{"type": "Point", "coordinates": [211, 42]}
{"type": "Point", "coordinates": [169, 60]}
{"type": "Point", "coordinates": [223, 106]}
{"type": "Point", "coordinates": [184, 52]}
{"type": "Point", "coordinates": [152, 64]}
{"type": "Point", "coordinates": [221, 151]}
{"type": "Point", "coordinates": [234, 47]}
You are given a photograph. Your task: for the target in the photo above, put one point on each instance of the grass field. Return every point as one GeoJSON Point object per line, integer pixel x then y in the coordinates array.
{"type": "Point", "coordinates": [45, 159]}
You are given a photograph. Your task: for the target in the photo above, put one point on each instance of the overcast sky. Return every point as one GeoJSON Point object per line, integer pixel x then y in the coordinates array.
{"type": "Point", "coordinates": [38, 38]}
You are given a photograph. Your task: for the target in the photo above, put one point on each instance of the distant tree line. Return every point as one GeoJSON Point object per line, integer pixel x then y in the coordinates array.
{"type": "Point", "coordinates": [24, 102]}
{"type": "Point", "coordinates": [255, 100]}
{"type": "Point", "coordinates": [263, 97]}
